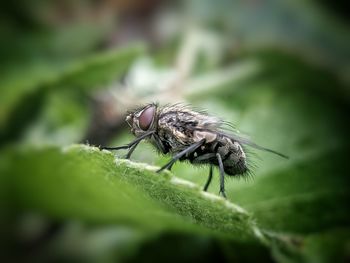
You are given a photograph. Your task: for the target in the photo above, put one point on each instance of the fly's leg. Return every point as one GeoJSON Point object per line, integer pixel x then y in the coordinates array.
{"type": "Point", "coordinates": [188, 150]}
{"type": "Point", "coordinates": [222, 176]}
{"type": "Point", "coordinates": [205, 158]}
{"type": "Point", "coordinates": [131, 150]}
{"type": "Point", "coordinates": [209, 179]}
{"type": "Point", "coordinates": [171, 166]}
{"type": "Point", "coordinates": [159, 143]}
{"type": "Point", "coordinates": [132, 145]}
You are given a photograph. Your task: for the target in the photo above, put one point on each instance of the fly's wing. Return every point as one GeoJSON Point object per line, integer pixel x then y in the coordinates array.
{"type": "Point", "coordinates": [218, 126]}
{"type": "Point", "coordinates": [241, 140]}
{"type": "Point", "coordinates": [248, 142]}
{"type": "Point", "coordinates": [221, 127]}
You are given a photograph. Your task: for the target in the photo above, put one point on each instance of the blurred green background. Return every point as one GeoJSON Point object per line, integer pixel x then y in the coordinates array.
{"type": "Point", "coordinates": [69, 71]}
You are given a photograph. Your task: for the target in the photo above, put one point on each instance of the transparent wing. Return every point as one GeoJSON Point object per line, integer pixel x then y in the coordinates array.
{"type": "Point", "coordinates": [248, 142]}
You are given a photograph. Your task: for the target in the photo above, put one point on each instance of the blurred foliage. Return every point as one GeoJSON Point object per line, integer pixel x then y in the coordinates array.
{"type": "Point", "coordinates": [279, 70]}
{"type": "Point", "coordinates": [73, 81]}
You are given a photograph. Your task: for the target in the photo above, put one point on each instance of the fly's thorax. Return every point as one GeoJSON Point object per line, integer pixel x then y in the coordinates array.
{"type": "Point", "coordinates": [143, 120]}
{"type": "Point", "coordinates": [174, 130]}
{"type": "Point", "coordinates": [180, 124]}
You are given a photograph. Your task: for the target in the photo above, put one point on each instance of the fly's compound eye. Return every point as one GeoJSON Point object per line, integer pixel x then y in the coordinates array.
{"type": "Point", "coordinates": [146, 118]}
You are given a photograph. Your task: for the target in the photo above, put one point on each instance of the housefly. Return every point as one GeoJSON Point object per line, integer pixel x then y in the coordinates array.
{"type": "Point", "coordinates": [190, 135]}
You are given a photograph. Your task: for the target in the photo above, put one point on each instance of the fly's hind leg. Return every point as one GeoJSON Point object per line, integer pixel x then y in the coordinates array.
{"type": "Point", "coordinates": [206, 158]}
{"type": "Point", "coordinates": [222, 175]}
{"type": "Point", "coordinates": [209, 179]}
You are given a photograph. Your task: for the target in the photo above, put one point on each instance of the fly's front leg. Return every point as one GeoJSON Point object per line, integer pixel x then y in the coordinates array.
{"type": "Point", "coordinates": [131, 150]}
{"type": "Point", "coordinates": [132, 145]}
{"type": "Point", "coordinates": [188, 150]}
{"type": "Point", "coordinates": [222, 175]}
{"type": "Point", "coordinates": [159, 143]}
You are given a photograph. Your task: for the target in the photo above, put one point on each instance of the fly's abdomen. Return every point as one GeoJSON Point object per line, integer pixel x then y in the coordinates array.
{"type": "Point", "coordinates": [233, 157]}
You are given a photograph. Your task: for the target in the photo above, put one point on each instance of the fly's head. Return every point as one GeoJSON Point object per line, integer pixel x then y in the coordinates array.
{"type": "Point", "coordinates": [142, 120]}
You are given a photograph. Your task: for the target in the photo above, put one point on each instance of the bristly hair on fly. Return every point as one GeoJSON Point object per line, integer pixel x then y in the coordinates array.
{"type": "Point", "coordinates": [189, 134]}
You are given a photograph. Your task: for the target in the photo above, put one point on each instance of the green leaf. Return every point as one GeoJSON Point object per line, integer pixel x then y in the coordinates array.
{"type": "Point", "coordinates": [84, 183]}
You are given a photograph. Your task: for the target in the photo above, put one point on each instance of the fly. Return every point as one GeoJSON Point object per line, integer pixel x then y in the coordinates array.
{"type": "Point", "coordinates": [190, 135]}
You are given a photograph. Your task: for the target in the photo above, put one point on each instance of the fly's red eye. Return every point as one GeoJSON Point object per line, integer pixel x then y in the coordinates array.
{"type": "Point", "coordinates": [146, 118]}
